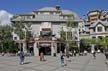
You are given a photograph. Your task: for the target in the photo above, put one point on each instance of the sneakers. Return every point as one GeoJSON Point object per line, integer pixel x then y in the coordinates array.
{"type": "Point", "coordinates": [21, 63]}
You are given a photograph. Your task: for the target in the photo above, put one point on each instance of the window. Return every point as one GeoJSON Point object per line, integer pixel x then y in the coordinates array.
{"type": "Point", "coordinates": [15, 38]}
{"type": "Point", "coordinates": [99, 29]}
{"type": "Point", "coordinates": [46, 33]}
{"type": "Point", "coordinates": [105, 28]}
{"type": "Point", "coordinates": [93, 30]}
{"type": "Point", "coordinates": [33, 16]}
{"type": "Point", "coordinates": [28, 17]}
{"type": "Point", "coordinates": [106, 36]}
{"type": "Point", "coordinates": [69, 35]}
{"type": "Point", "coordinates": [100, 37]}
{"type": "Point", "coordinates": [93, 37]}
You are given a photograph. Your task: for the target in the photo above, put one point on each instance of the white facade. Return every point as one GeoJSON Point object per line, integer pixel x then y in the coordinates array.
{"type": "Point", "coordinates": [48, 21]}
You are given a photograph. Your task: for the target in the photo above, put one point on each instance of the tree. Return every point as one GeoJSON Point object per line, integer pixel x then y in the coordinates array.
{"type": "Point", "coordinates": [62, 34]}
{"type": "Point", "coordinates": [7, 44]}
{"type": "Point", "coordinates": [99, 43]}
{"type": "Point", "coordinates": [67, 36]}
{"type": "Point", "coordinates": [85, 44]}
{"type": "Point", "coordinates": [21, 27]}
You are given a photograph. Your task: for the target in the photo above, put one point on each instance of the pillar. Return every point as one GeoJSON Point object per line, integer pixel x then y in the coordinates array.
{"type": "Point", "coordinates": [52, 49]}
{"type": "Point", "coordinates": [36, 50]}
{"type": "Point", "coordinates": [55, 45]}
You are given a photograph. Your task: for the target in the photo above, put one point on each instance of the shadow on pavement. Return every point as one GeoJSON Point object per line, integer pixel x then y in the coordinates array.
{"type": "Point", "coordinates": [27, 62]}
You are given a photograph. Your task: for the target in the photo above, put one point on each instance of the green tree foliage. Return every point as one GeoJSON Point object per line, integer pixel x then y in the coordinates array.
{"type": "Point", "coordinates": [62, 34]}
{"type": "Point", "coordinates": [73, 46]}
{"type": "Point", "coordinates": [67, 36]}
{"type": "Point", "coordinates": [103, 42]}
{"type": "Point", "coordinates": [85, 44]}
{"type": "Point", "coordinates": [6, 42]}
{"type": "Point", "coordinates": [70, 23]}
{"type": "Point", "coordinates": [18, 29]}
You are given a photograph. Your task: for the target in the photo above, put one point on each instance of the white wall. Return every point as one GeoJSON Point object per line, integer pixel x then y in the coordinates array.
{"type": "Point", "coordinates": [45, 25]}
{"type": "Point", "coordinates": [56, 27]}
{"type": "Point", "coordinates": [36, 29]}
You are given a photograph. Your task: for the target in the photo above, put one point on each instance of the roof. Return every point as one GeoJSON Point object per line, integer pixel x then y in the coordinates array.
{"type": "Point", "coordinates": [42, 17]}
{"type": "Point", "coordinates": [94, 10]}
{"type": "Point", "coordinates": [47, 9]}
{"type": "Point", "coordinates": [48, 18]}
{"type": "Point", "coordinates": [67, 12]}
{"type": "Point", "coordinates": [103, 13]}
{"type": "Point", "coordinates": [26, 14]}
{"type": "Point", "coordinates": [45, 17]}
{"type": "Point", "coordinates": [105, 23]}
{"type": "Point", "coordinates": [87, 24]}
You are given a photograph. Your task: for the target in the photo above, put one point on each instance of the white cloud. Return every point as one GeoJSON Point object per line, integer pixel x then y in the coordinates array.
{"type": "Point", "coordinates": [5, 17]}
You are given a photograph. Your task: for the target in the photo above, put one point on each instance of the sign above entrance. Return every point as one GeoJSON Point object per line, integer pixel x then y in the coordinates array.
{"type": "Point", "coordinates": [45, 44]}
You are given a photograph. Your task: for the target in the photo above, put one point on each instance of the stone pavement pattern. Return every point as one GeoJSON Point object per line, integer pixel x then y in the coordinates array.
{"type": "Point", "coordinates": [78, 63]}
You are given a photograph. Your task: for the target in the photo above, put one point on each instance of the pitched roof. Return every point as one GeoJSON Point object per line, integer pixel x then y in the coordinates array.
{"type": "Point", "coordinates": [103, 13]}
{"type": "Point", "coordinates": [105, 23]}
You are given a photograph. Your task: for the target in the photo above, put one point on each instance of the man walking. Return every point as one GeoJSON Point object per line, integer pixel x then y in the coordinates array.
{"type": "Point", "coordinates": [62, 60]}
{"type": "Point", "coordinates": [21, 57]}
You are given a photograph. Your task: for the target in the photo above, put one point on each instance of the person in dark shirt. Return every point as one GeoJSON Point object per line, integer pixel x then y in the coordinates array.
{"type": "Point", "coordinates": [21, 57]}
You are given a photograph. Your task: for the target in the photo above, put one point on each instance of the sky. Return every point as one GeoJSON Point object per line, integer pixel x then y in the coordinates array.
{"type": "Point", "coordinates": [80, 7]}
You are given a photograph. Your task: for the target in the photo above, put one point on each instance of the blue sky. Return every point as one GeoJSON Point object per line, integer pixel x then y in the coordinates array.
{"type": "Point", "coordinates": [81, 7]}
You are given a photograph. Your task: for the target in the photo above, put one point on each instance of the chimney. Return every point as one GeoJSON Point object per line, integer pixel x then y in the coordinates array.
{"type": "Point", "coordinates": [57, 7]}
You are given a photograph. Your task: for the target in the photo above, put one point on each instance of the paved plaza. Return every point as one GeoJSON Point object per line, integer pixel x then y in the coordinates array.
{"type": "Point", "coordinates": [78, 63]}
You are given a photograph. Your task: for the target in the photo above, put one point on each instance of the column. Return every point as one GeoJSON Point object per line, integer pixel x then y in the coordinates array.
{"type": "Point", "coordinates": [52, 49]}
{"type": "Point", "coordinates": [55, 47]}
{"type": "Point", "coordinates": [36, 50]}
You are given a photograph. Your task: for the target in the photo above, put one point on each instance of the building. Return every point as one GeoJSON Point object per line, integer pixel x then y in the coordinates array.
{"type": "Point", "coordinates": [96, 25]}
{"type": "Point", "coordinates": [46, 26]}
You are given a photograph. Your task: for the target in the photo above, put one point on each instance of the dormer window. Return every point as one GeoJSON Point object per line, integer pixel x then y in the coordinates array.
{"type": "Point", "coordinates": [99, 29]}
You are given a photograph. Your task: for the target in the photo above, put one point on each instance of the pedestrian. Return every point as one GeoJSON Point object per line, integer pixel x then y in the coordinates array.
{"type": "Point", "coordinates": [41, 56]}
{"type": "Point", "coordinates": [68, 57]}
{"type": "Point", "coordinates": [74, 52]}
{"type": "Point", "coordinates": [21, 57]}
{"type": "Point", "coordinates": [106, 55]}
{"type": "Point", "coordinates": [62, 60]}
{"type": "Point", "coordinates": [94, 54]}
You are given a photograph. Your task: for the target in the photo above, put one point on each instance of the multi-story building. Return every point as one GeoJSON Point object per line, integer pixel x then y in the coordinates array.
{"type": "Point", "coordinates": [96, 25]}
{"type": "Point", "coordinates": [46, 25]}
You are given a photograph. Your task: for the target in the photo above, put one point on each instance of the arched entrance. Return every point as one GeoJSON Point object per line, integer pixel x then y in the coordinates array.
{"type": "Point", "coordinates": [45, 50]}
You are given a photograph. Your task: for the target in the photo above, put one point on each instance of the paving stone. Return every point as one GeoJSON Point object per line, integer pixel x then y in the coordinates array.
{"type": "Point", "coordinates": [78, 63]}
